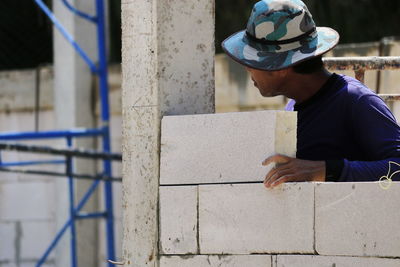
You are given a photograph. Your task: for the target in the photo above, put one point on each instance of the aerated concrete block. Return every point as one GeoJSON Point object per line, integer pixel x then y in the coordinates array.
{"type": "Point", "coordinates": [216, 261]}
{"type": "Point", "coordinates": [35, 239]}
{"type": "Point", "coordinates": [8, 234]}
{"type": "Point", "coordinates": [26, 201]}
{"type": "Point", "coordinates": [178, 220]}
{"type": "Point", "coordinates": [223, 148]}
{"type": "Point", "coordinates": [332, 261]}
{"type": "Point", "coordinates": [18, 89]}
{"type": "Point", "coordinates": [357, 219]}
{"type": "Point", "coordinates": [248, 218]}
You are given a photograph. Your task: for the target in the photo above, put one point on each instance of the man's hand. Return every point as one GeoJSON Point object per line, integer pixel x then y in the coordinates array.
{"type": "Point", "coordinates": [289, 169]}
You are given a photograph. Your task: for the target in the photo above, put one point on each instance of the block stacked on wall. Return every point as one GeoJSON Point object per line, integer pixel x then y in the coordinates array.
{"type": "Point", "coordinates": [223, 148]}
{"type": "Point", "coordinates": [214, 210]}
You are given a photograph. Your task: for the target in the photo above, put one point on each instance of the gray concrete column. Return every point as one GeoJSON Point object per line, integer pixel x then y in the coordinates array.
{"type": "Point", "coordinates": [73, 108]}
{"type": "Point", "coordinates": [167, 68]}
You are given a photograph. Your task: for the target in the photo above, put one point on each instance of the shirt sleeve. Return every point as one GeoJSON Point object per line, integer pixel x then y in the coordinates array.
{"type": "Point", "coordinates": [290, 105]}
{"type": "Point", "coordinates": [363, 171]}
{"type": "Point", "coordinates": [376, 132]}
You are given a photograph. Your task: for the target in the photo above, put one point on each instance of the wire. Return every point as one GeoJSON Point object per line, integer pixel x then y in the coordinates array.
{"type": "Point", "coordinates": [385, 182]}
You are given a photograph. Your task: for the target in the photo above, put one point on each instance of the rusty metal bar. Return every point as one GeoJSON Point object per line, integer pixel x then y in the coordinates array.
{"type": "Point", "coordinates": [362, 63]}
{"type": "Point", "coordinates": [360, 75]}
{"type": "Point", "coordinates": [90, 154]}
{"type": "Point", "coordinates": [63, 175]}
{"type": "Point", "coordinates": [390, 97]}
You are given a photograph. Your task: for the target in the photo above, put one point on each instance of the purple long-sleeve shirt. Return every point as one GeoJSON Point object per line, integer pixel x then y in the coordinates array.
{"type": "Point", "coordinates": [348, 125]}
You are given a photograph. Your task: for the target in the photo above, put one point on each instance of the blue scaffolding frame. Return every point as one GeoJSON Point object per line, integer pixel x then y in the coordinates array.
{"type": "Point", "coordinates": [100, 70]}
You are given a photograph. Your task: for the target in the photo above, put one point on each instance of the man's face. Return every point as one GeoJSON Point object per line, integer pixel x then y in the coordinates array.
{"type": "Point", "coordinates": [270, 83]}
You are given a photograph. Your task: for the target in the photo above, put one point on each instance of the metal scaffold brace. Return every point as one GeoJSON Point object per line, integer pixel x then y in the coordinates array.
{"type": "Point", "coordinates": [100, 70]}
{"type": "Point", "coordinates": [68, 153]}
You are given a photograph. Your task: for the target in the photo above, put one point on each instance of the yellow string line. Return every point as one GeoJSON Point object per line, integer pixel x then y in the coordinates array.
{"type": "Point", "coordinates": [385, 182]}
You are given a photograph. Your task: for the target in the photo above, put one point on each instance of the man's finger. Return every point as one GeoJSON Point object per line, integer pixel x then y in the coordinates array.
{"type": "Point", "coordinates": [275, 169]}
{"type": "Point", "coordinates": [280, 159]}
{"type": "Point", "coordinates": [276, 174]}
{"type": "Point", "coordinates": [283, 179]}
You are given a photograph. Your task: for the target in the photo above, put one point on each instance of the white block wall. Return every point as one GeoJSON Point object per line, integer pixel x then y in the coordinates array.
{"type": "Point", "coordinates": [217, 261]}
{"type": "Point", "coordinates": [247, 219]}
{"type": "Point", "coordinates": [330, 261]}
{"type": "Point", "coordinates": [18, 89]}
{"type": "Point", "coordinates": [178, 222]}
{"type": "Point", "coordinates": [369, 222]}
{"type": "Point", "coordinates": [27, 202]}
{"type": "Point", "coordinates": [8, 234]}
{"type": "Point", "coordinates": [212, 220]}
{"type": "Point", "coordinates": [296, 218]}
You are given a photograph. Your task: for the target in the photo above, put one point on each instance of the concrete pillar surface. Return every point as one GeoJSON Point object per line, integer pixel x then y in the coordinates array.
{"type": "Point", "coordinates": [167, 68]}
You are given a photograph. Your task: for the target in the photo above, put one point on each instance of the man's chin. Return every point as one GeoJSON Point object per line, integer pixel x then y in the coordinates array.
{"type": "Point", "coordinates": [267, 94]}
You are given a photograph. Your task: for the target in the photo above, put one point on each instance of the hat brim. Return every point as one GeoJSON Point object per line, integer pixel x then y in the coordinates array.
{"type": "Point", "coordinates": [276, 57]}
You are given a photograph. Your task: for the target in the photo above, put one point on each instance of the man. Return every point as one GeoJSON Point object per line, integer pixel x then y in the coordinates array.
{"type": "Point", "coordinates": [345, 131]}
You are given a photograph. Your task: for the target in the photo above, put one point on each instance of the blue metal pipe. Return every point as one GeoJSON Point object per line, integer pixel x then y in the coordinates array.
{"type": "Point", "coordinates": [51, 134]}
{"type": "Point", "coordinates": [66, 35]}
{"type": "Point", "coordinates": [109, 206]}
{"type": "Point", "coordinates": [86, 197]}
{"type": "Point", "coordinates": [74, 256]}
{"type": "Point", "coordinates": [27, 163]}
{"type": "Point", "coordinates": [79, 13]}
{"type": "Point", "coordinates": [81, 203]}
{"type": "Point", "coordinates": [105, 115]}
{"type": "Point", "coordinates": [54, 243]}
{"type": "Point", "coordinates": [101, 71]}
{"type": "Point", "coordinates": [91, 215]}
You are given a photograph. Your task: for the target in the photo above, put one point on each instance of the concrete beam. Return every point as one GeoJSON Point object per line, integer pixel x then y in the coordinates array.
{"type": "Point", "coordinates": [166, 70]}
{"type": "Point", "coordinates": [73, 109]}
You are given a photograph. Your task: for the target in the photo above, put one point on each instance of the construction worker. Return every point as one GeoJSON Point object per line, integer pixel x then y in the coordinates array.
{"type": "Point", "coordinates": [345, 132]}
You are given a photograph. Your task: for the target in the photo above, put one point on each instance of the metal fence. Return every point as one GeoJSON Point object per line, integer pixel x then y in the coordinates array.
{"type": "Point", "coordinates": [361, 64]}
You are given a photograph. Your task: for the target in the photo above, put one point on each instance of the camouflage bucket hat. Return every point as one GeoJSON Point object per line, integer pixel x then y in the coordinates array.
{"type": "Point", "coordinates": [279, 34]}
